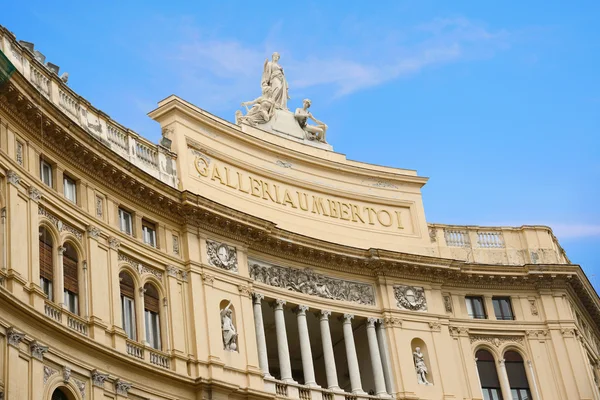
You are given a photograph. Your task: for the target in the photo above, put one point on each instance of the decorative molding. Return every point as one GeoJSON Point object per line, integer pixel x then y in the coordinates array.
{"type": "Point", "coordinates": [59, 224]}
{"type": "Point", "coordinates": [176, 244]}
{"type": "Point", "coordinates": [257, 297]}
{"type": "Point", "coordinates": [279, 304]}
{"type": "Point", "coordinates": [81, 386]}
{"type": "Point", "coordinates": [496, 340]}
{"type": "Point", "coordinates": [347, 318]}
{"type": "Point", "coordinates": [172, 271]}
{"type": "Point", "coordinates": [435, 326]}
{"type": "Point", "coordinates": [448, 302]}
{"type": "Point", "coordinates": [392, 322]}
{"type": "Point", "coordinates": [19, 155]}
{"type": "Point", "coordinates": [540, 334]}
{"type": "Point", "coordinates": [309, 282]}
{"type": "Point", "coordinates": [222, 256]}
{"type": "Point", "coordinates": [371, 321]}
{"type": "Point", "coordinates": [433, 235]}
{"type": "Point", "coordinates": [93, 232]}
{"type": "Point", "coordinates": [14, 337]}
{"type": "Point", "coordinates": [568, 332]}
{"type": "Point", "coordinates": [98, 378]}
{"type": "Point", "coordinates": [37, 350]}
{"type": "Point", "coordinates": [122, 387]}
{"type": "Point", "coordinates": [283, 164]}
{"type": "Point", "coordinates": [99, 207]}
{"type": "Point", "coordinates": [458, 330]}
{"type": "Point", "coordinates": [114, 243]}
{"type": "Point", "coordinates": [66, 372]}
{"type": "Point", "coordinates": [141, 268]}
{"type": "Point", "coordinates": [48, 372]}
{"type": "Point", "coordinates": [208, 279]}
{"type": "Point", "coordinates": [533, 307]}
{"type": "Point", "coordinates": [410, 298]}
{"type": "Point", "coordinates": [184, 276]}
{"type": "Point", "coordinates": [13, 177]}
{"type": "Point", "coordinates": [34, 194]}
{"type": "Point", "coordinates": [245, 291]}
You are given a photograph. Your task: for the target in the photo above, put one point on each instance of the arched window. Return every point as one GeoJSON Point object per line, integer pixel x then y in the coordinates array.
{"type": "Point", "coordinates": [151, 313]}
{"type": "Point", "coordinates": [488, 376]}
{"type": "Point", "coordinates": [127, 288]}
{"type": "Point", "coordinates": [46, 262]}
{"type": "Point", "coordinates": [70, 267]}
{"type": "Point", "coordinates": [58, 394]}
{"type": "Point", "coordinates": [517, 378]}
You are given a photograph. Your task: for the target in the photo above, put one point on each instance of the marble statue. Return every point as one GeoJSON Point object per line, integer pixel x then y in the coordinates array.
{"type": "Point", "coordinates": [229, 333]}
{"type": "Point", "coordinates": [420, 367]}
{"type": "Point", "coordinates": [261, 112]}
{"type": "Point", "coordinates": [312, 132]}
{"type": "Point", "coordinates": [273, 83]}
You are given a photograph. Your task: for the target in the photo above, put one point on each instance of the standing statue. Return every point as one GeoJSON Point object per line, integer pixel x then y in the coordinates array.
{"type": "Point", "coordinates": [312, 132]}
{"type": "Point", "coordinates": [273, 83]}
{"type": "Point", "coordinates": [420, 366]}
{"type": "Point", "coordinates": [229, 333]}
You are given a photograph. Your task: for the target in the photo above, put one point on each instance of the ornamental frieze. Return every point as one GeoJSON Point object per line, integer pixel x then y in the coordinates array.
{"type": "Point", "coordinates": [141, 268]}
{"type": "Point", "coordinates": [496, 340]}
{"type": "Point", "coordinates": [222, 256]}
{"type": "Point", "coordinates": [410, 298]}
{"type": "Point", "coordinates": [60, 225]}
{"type": "Point", "coordinates": [309, 282]}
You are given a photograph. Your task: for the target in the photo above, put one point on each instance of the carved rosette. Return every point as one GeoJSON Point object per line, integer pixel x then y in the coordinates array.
{"type": "Point", "coordinates": [309, 282]}
{"type": "Point", "coordinates": [496, 340]}
{"type": "Point", "coordinates": [37, 350]}
{"type": "Point", "coordinates": [410, 298]}
{"type": "Point", "coordinates": [222, 256]}
{"type": "Point", "coordinates": [122, 387]}
{"type": "Point", "coordinates": [98, 378]}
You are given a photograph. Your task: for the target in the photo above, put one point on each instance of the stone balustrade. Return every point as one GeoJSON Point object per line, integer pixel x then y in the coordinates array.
{"type": "Point", "coordinates": [53, 311]}
{"type": "Point", "coordinates": [134, 349]}
{"type": "Point", "coordinates": [154, 159]}
{"type": "Point", "coordinates": [77, 324]}
{"type": "Point", "coordinates": [158, 358]}
{"type": "Point", "coordinates": [497, 245]}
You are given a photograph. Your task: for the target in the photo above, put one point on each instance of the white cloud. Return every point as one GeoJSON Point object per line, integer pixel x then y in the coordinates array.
{"type": "Point", "coordinates": [575, 230]}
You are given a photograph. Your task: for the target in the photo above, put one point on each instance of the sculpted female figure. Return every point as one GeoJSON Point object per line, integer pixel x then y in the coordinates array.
{"type": "Point", "coordinates": [273, 83]}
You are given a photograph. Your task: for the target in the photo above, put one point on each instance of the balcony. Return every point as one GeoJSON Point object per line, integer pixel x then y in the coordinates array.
{"type": "Point", "coordinates": [148, 354]}
{"type": "Point", "coordinates": [72, 321]}
{"type": "Point", "coordinates": [497, 245]}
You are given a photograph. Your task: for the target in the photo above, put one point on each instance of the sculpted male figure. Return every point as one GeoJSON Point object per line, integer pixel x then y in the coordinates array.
{"type": "Point", "coordinates": [313, 132]}
{"type": "Point", "coordinates": [420, 366]}
{"type": "Point", "coordinates": [228, 329]}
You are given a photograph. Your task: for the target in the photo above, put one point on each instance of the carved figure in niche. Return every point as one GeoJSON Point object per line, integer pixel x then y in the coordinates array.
{"type": "Point", "coordinates": [420, 367]}
{"type": "Point", "coordinates": [263, 109]}
{"type": "Point", "coordinates": [273, 83]}
{"type": "Point", "coordinates": [312, 132]}
{"type": "Point", "coordinates": [229, 332]}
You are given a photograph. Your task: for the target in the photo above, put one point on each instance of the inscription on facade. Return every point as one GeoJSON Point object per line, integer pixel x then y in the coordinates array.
{"type": "Point", "coordinates": [309, 282]}
{"type": "Point", "coordinates": [296, 199]}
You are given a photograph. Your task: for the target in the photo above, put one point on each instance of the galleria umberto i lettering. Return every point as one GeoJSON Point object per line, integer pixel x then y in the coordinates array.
{"type": "Point", "coordinates": [249, 260]}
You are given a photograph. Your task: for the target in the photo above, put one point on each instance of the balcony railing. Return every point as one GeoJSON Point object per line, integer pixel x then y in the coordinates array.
{"type": "Point", "coordinates": [53, 311]}
{"type": "Point", "coordinates": [304, 394]}
{"type": "Point", "coordinates": [134, 349]}
{"type": "Point", "coordinates": [156, 358]}
{"type": "Point", "coordinates": [77, 324]}
{"type": "Point", "coordinates": [281, 389]}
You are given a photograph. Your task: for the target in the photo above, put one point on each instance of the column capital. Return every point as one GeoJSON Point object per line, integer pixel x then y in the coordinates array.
{"type": "Point", "coordinates": [501, 362]}
{"type": "Point", "coordinates": [257, 297]}
{"type": "Point", "coordinates": [34, 194]}
{"type": "Point", "coordinates": [13, 177]}
{"type": "Point", "coordinates": [98, 378]}
{"type": "Point", "coordinates": [61, 250]}
{"type": "Point", "coordinates": [114, 243]}
{"type": "Point", "coordinates": [279, 303]}
{"type": "Point", "coordinates": [325, 314]}
{"type": "Point", "coordinates": [348, 318]}
{"type": "Point", "coordinates": [14, 336]}
{"type": "Point", "coordinates": [37, 350]}
{"type": "Point", "coordinates": [371, 322]}
{"type": "Point", "coordinates": [302, 309]}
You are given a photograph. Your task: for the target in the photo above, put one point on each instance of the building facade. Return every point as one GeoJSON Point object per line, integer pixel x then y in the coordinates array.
{"type": "Point", "coordinates": [234, 262]}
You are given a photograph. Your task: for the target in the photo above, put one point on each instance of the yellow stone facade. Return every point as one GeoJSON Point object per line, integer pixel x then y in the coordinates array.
{"type": "Point", "coordinates": [231, 263]}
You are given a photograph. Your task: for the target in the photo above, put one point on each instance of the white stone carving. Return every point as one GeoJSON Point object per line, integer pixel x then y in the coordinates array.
{"type": "Point", "coordinates": [81, 386]}
{"type": "Point", "coordinates": [98, 378]}
{"type": "Point", "coordinates": [66, 374]}
{"type": "Point", "coordinates": [172, 270]}
{"type": "Point", "coordinates": [48, 372]}
{"type": "Point", "coordinates": [19, 155]}
{"type": "Point", "coordinates": [222, 256]}
{"type": "Point", "coordinates": [410, 298]}
{"type": "Point", "coordinates": [273, 82]}
{"type": "Point", "coordinates": [14, 337]}
{"type": "Point", "coordinates": [141, 268]}
{"type": "Point", "coordinates": [37, 350]}
{"type": "Point", "coordinates": [122, 387]}
{"type": "Point", "coordinates": [175, 244]}
{"type": "Point", "coordinates": [228, 329]}
{"type": "Point", "coordinates": [114, 243]}
{"type": "Point", "coordinates": [533, 307]}
{"type": "Point", "coordinates": [93, 232]}
{"type": "Point", "coordinates": [313, 132]}
{"type": "Point", "coordinates": [308, 282]}
{"type": "Point", "coordinates": [420, 367]}
{"type": "Point", "coordinates": [13, 177]}
{"type": "Point", "coordinates": [496, 341]}
{"type": "Point", "coordinates": [34, 194]}
{"type": "Point", "coordinates": [60, 225]}
{"type": "Point", "coordinates": [99, 208]}
{"type": "Point", "coordinates": [448, 303]}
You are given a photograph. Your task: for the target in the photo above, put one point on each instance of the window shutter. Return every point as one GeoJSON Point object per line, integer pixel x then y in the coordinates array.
{"type": "Point", "coordinates": [151, 302]}
{"type": "Point", "coordinates": [46, 261]}
{"type": "Point", "coordinates": [126, 285]}
{"type": "Point", "coordinates": [70, 274]}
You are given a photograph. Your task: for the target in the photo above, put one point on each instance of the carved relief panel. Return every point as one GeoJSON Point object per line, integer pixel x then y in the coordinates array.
{"type": "Point", "coordinates": [410, 297]}
{"type": "Point", "coordinates": [222, 256]}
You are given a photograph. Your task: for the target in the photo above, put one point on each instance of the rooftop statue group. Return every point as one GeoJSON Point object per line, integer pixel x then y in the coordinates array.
{"type": "Point", "coordinates": [274, 97]}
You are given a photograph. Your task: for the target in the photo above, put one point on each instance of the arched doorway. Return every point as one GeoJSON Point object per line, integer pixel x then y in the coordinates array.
{"type": "Point", "coordinates": [61, 394]}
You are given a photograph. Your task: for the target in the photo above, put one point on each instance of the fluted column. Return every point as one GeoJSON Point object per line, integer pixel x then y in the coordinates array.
{"type": "Point", "coordinates": [353, 369]}
{"type": "Point", "coordinates": [504, 383]}
{"type": "Point", "coordinates": [305, 350]}
{"type": "Point", "coordinates": [384, 352]}
{"type": "Point", "coordinates": [282, 343]}
{"type": "Point", "coordinates": [376, 366]}
{"type": "Point", "coordinates": [328, 356]}
{"type": "Point", "coordinates": [261, 342]}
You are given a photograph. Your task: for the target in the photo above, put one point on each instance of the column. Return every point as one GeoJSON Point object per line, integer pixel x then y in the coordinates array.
{"type": "Point", "coordinates": [375, 358]}
{"type": "Point", "coordinates": [59, 279]}
{"type": "Point", "coordinates": [328, 357]}
{"type": "Point", "coordinates": [282, 343]}
{"type": "Point", "coordinates": [504, 383]}
{"type": "Point", "coordinates": [305, 350]}
{"type": "Point", "coordinates": [353, 369]}
{"type": "Point", "coordinates": [261, 342]}
{"type": "Point", "coordinates": [536, 392]}
{"type": "Point", "coordinates": [384, 352]}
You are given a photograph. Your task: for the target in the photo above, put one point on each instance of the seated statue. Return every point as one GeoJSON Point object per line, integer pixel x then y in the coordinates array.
{"type": "Point", "coordinates": [312, 132]}
{"type": "Point", "coordinates": [261, 112]}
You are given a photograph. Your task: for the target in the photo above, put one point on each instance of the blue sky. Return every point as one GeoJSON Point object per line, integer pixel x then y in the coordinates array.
{"type": "Point", "coordinates": [497, 102]}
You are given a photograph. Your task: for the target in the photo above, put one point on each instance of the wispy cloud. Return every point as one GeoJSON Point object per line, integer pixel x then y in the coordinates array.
{"type": "Point", "coordinates": [226, 70]}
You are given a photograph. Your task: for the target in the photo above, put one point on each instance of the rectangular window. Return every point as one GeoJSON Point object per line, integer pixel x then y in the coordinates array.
{"type": "Point", "coordinates": [71, 302]}
{"type": "Point", "coordinates": [149, 233]}
{"type": "Point", "coordinates": [70, 189]}
{"type": "Point", "coordinates": [128, 309]}
{"type": "Point", "coordinates": [125, 221]}
{"type": "Point", "coordinates": [46, 173]}
{"type": "Point", "coordinates": [475, 307]}
{"type": "Point", "coordinates": [152, 329]}
{"type": "Point", "coordinates": [503, 308]}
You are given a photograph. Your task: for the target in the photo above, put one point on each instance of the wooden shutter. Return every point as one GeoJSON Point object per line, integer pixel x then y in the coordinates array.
{"type": "Point", "coordinates": [46, 261]}
{"type": "Point", "coordinates": [70, 274]}
{"type": "Point", "coordinates": [151, 302]}
{"type": "Point", "coordinates": [126, 285]}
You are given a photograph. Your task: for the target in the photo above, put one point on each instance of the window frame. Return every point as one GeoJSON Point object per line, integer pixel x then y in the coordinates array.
{"type": "Point", "coordinates": [128, 319]}
{"type": "Point", "coordinates": [50, 167]}
{"type": "Point", "coordinates": [123, 212]}
{"type": "Point", "coordinates": [502, 317]}
{"type": "Point", "coordinates": [473, 314]}
{"type": "Point", "coordinates": [67, 181]}
{"type": "Point", "coordinates": [149, 228]}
